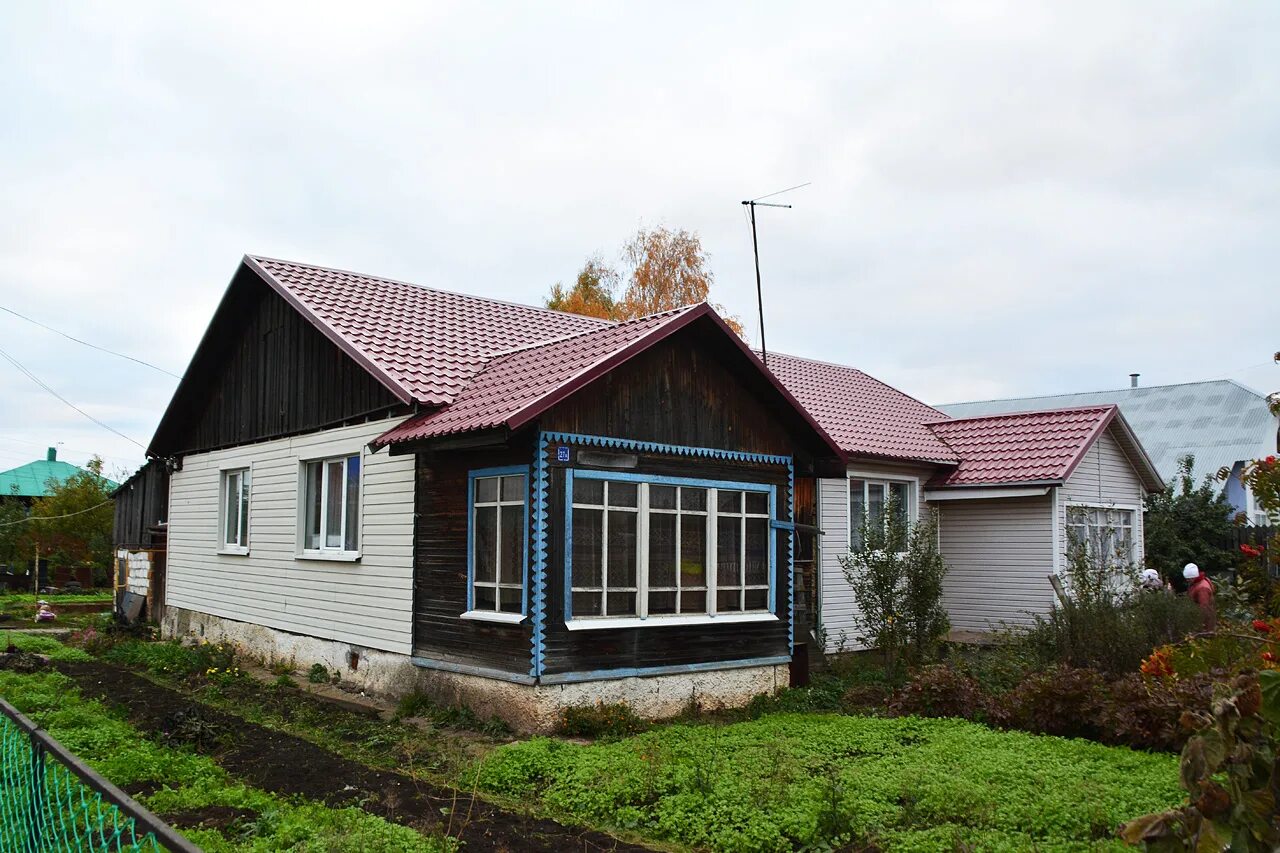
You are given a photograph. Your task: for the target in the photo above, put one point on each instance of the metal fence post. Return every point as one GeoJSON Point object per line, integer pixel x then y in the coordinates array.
{"type": "Point", "coordinates": [36, 805]}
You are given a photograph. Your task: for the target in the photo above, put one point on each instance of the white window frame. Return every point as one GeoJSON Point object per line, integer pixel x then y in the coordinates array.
{"type": "Point", "coordinates": [340, 554]}
{"type": "Point", "coordinates": [1133, 510]}
{"type": "Point", "coordinates": [868, 477]}
{"type": "Point", "coordinates": [642, 617]}
{"type": "Point", "coordinates": [244, 514]}
{"type": "Point", "coordinates": [496, 615]}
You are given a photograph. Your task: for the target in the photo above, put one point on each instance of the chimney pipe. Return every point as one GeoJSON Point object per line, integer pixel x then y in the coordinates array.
{"type": "Point", "coordinates": [1133, 380]}
{"type": "Point", "coordinates": [52, 455]}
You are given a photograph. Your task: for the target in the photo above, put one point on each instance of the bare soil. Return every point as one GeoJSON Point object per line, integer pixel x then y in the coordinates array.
{"type": "Point", "coordinates": [284, 764]}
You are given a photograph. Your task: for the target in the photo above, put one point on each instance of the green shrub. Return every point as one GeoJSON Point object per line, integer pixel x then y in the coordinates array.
{"type": "Point", "coordinates": [173, 658]}
{"type": "Point", "coordinates": [600, 721]}
{"type": "Point", "coordinates": [318, 674]}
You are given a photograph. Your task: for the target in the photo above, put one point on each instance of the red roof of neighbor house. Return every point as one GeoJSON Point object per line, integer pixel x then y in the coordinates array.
{"type": "Point", "coordinates": [512, 388]}
{"type": "Point", "coordinates": [1025, 447]}
{"type": "Point", "coordinates": [864, 415]}
{"type": "Point", "coordinates": [424, 344]}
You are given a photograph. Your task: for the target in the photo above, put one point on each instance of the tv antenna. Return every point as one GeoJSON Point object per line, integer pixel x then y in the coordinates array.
{"type": "Point", "coordinates": [755, 248]}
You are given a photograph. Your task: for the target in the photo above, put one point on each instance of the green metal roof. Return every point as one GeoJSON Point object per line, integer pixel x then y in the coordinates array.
{"type": "Point", "coordinates": [32, 480]}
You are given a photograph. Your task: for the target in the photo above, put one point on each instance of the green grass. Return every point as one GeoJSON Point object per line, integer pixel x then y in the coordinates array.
{"type": "Point", "coordinates": [120, 753]}
{"type": "Point", "coordinates": [11, 600]}
{"type": "Point", "coordinates": [790, 781]}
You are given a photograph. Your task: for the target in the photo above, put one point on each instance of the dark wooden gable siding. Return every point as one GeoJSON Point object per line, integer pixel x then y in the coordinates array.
{"type": "Point", "coordinates": [263, 371]}
{"type": "Point", "coordinates": [140, 504]}
{"type": "Point", "coordinates": [440, 566]}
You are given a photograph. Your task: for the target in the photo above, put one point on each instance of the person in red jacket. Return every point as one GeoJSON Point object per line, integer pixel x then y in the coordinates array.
{"type": "Point", "coordinates": [1200, 590]}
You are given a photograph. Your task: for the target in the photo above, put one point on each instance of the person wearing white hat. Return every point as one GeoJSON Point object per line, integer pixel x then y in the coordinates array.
{"type": "Point", "coordinates": [1200, 590]}
{"type": "Point", "coordinates": [1151, 581]}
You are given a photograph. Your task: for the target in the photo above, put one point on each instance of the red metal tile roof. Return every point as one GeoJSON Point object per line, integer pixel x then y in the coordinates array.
{"type": "Point", "coordinates": [513, 387]}
{"type": "Point", "coordinates": [864, 415]}
{"type": "Point", "coordinates": [424, 344]}
{"type": "Point", "coordinates": [1025, 447]}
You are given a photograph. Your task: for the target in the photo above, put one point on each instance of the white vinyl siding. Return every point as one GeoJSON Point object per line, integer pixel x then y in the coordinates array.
{"type": "Point", "coordinates": [1104, 478]}
{"type": "Point", "coordinates": [999, 554]}
{"type": "Point", "coordinates": [368, 602]}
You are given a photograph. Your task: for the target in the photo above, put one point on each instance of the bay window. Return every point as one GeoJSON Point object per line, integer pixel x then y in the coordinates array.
{"type": "Point", "coordinates": [235, 511]}
{"type": "Point", "coordinates": [331, 506]}
{"type": "Point", "coordinates": [497, 543]}
{"type": "Point", "coordinates": [667, 548]}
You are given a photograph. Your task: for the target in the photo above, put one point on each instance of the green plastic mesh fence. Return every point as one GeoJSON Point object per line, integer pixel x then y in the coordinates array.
{"type": "Point", "coordinates": [48, 805]}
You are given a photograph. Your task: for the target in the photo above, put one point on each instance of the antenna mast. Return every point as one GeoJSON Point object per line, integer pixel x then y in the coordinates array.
{"type": "Point", "coordinates": [755, 248]}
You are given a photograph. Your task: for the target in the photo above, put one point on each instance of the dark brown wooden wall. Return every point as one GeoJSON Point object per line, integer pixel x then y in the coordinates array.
{"type": "Point", "coordinates": [440, 567]}
{"type": "Point", "coordinates": [678, 393]}
{"type": "Point", "coordinates": [265, 372]}
{"type": "Point", "coordinates": [653, 645]}
{"type": "Point", "coordinates": [140, 504]}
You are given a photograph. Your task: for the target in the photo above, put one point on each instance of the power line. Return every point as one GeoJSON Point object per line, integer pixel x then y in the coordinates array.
{"type": "Point", "coordinates": [52, 517]}
{"type": "Point", "coordinates": [37, 380]}
{"type": "Point", "coordinates": [87, 344]}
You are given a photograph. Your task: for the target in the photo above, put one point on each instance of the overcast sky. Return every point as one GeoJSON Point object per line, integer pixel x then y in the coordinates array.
{"type": "Point", "coordinates": [1007, 198]}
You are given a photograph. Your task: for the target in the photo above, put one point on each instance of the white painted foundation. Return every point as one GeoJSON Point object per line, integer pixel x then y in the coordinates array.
{"type": "Point", "coordinates": [532, 708]}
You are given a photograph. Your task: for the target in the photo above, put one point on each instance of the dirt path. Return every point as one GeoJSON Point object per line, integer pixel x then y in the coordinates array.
{"type": "Point", "coordinates": [284, 764]}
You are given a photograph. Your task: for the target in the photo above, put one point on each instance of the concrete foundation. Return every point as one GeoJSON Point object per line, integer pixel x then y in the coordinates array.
{"type": "Point", "coordinates": [533, 708]}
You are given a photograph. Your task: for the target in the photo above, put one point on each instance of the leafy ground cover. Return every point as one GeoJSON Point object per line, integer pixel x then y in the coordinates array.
{"type": "Point", "coordinates": [176, 782]}
{"type": "Point", "coordinates": [795, 781]}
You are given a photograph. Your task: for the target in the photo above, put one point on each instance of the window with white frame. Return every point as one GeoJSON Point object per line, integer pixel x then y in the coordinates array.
{"type": "Point", "coordinates": [331, 505]}
{"type": "Point", "coordinates": [1105, 533]}
{"type": "Point", "coordinates": [498, 542]}
{"type": "Point", "coordinates": [235, 510]}
{"type": "Point", "coordinates": [667, 549]}
{"type": "Point", "coordinates": [869, 501]}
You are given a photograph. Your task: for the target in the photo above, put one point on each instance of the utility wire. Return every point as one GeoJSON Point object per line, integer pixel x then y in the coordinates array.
{"type": "Point", "coordinates": [52, 517]}
{"type": "Point", "coordinates": [87, 344]}
{"type": "Point", "coordinates": [37, 380]}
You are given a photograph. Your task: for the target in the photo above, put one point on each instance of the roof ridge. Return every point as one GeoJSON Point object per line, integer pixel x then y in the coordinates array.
{"type": "Point", "coordinates": [1240, 385]}
{"type": "Point", "coordinates": [613, 324]}
{"type": "Point", "coordinates": [862, 372]}
{"type": "Point", "coordinates": [605, 323]}
{"type": "Point", "coordinates": [1099, 407]}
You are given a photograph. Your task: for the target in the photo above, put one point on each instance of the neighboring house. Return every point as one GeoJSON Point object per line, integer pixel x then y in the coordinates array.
{"type": "Point", "coordinates": [1009, 491]}
{"type": "Point", "coordinates": [35, 479]}
{"type": "Point", "coordinates": [1221, 422]}
{"type": "Point", "coordinates": [507, 506]}
{"type": "Point", "coordinates": [142, 508]}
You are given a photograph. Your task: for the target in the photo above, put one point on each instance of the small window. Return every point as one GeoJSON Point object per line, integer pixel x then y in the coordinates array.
{"type": "Point", "coordinates": [1104, 533]}
{"type": "Point", "coordinates": [869, 501]}
{"type": "Point", "coordinates": [498, 541]}
{"type": "Point", "coordinates": [331, 505]}
{"type": "Point", "coordinates": [235, 510]}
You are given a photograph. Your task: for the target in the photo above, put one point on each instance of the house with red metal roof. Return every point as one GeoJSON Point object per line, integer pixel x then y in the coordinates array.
{"type": "Point", "coordinates": [1010, 492]}
{"type": "Point", "coordinates": [505, 506]}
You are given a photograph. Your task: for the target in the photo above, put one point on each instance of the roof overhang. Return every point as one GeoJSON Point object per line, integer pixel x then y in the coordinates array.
{"type": "Point", "coordinates": [972, 493]}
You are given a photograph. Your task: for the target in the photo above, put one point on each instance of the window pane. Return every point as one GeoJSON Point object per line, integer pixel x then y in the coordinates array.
{"type": "Point", "coordinates": [513, 488]}
{"type": "Point", "coordinates": [727, 501]}
{"type": "Point", "coordinates": [693, 602]}
{"type": "Point", "coordinates": [622, 604]}
{"type": "Point", "coordinates": [586, 603]}
{"type": "Point", "coordinates": [510, 600]}
{"type": "Point", "coordinates": [588, 540]}
{"type": "Point", "coordinates": [693, 550]}
{"type": "Point", "coordinates": [728, 601]}
{"type": "Point", "coordinates": [857, 513]}
{"type": "Point", "coordinates": [662, 497]}
{"type": "Point", "coordinates": [334, 478]}
{"type": "Point", "coordinates": [695, 499]}
{"type": "Point", "coordinates": [244, 508]}
{"type": "Point", "coordinates": [757, 599]}
{"type": "Point", "coordinates": [511, 559]}
{"type": "Point", "coordinates": [758, 502]}
{"type": "Point", "coordinates": [485, 543]}
{"type": "Point", "coordinates": [728, 545]}
{"type": "Point", "coordinates": [899, 494]}
{"type": "Point", "coordinates": [622, 548]}
{"type": "Point", "coordinates": [622, 494]}
{"type": "Point", "coordinates": [757, 550]}
{"type": "Point", "coordinates": [661, 603]}
{"type": "Point", "coordinates": [231, 504]}
{"type": "Point", "coordinates": [486, 489]}
{"type": "Point", "coordinates": [352, 542]}
{"type": "Point", "coordinates": [588, 492]}
{"type": "Point", "coordinates": [875, 504]}
{"type": "Point", "coordinates": [311, 537]}
{"type": "Point", "coordinates": [484, 598]}
{"type": "Point", "coordinates": [662, 551]}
